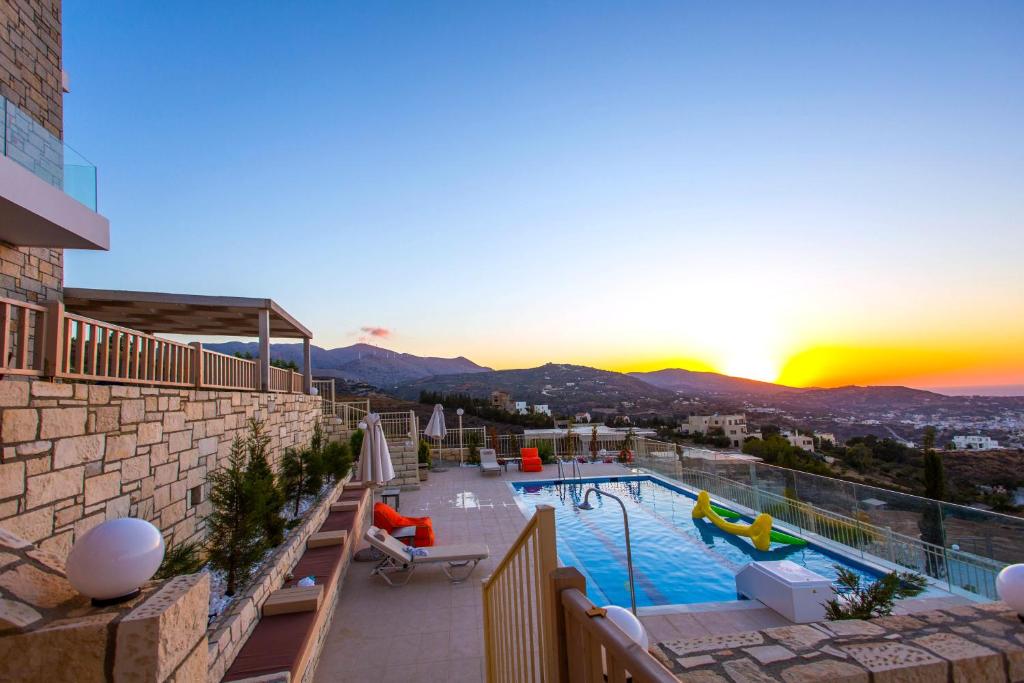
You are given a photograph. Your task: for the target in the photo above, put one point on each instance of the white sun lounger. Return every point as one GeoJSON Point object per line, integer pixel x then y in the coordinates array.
{"type": "Point", "coordinates": [489, 461]}
{"type": "Point", "coordinates": [399, 561]}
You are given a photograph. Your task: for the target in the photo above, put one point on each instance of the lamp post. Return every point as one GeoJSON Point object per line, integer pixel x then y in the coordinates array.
{"type": "Point", "coordinates": [585, 505]}
{"type": "Point", "coordinates": [460, 413]}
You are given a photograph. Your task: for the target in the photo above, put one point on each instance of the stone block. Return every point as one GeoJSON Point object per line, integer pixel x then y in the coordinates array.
{"type": "Point", "coordinates": [33, 448]}
{"type": "Point", "coordinates": [180, 441]}
{"type": "Point", "coordinates": [20, 424]}
{"type": "Point", "coordinates": [13, 394]}
{"type": "Point", "coordinates": [165, 474]}
{"type": "Point", "coordinates": [105, 419]}
{"type": "Point", "coordinates": [78, 449]}
{"type": "Point", "coordinates": [12, 479]}
{"type": "Point", "coordinates": [51, 390]}
{"type": "Point", "coordinates": [195, 666]}
{"type": "Point", "coordinates": [52, 486]}
{"type": "Point", "coordinates": [16, 615]}
{"type": "Point", "coordinates": [174, 422]}
{"type": "Point", "coordinates": [891, 661]}
{"type": "Point", "coordinates": [31, 656]}
{"type": "Point", "coordinates": [208, 446]}
{"type": "Point", "coordinates": [58, 422]}
{"type": "Point", "coordinates": [681, 648]}
{"type": "Point", "coordinates": [158, 635]}
{"type": "Point", "coordinates": [150, 432]}
{"type": "Point", "coordinates": [119, 507]}
{"type": "Point", "coordinates": [825, 670]}
{"type": "Point", "coordinates": [970, 661]}
{"type": "Point", "coordinates": [98, 395]}
{"type": "Point", "coordinates": [133, 469]}
{"type": "Point", "coordinates": [133, 411]}
{"type": "Point", "coordinates": [103, 487]}
{"type": "Point", "coordinates": [32, 526]}
{"type": "Point", "coordinates": [121, 446]}
{"type": "Point", "coordinates": [35, 587]}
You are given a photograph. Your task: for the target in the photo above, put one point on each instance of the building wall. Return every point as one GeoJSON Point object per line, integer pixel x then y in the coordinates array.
{"type": "Point", "coordinates": [75, 455]}
{"type": "Point", "coordinates": [30, 77]}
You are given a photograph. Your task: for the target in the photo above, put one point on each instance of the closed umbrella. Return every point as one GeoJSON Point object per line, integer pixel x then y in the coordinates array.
{"type": "Point", "coordinates": [435, 428]}
{"type": "Point", "coordinates": [375, 459]}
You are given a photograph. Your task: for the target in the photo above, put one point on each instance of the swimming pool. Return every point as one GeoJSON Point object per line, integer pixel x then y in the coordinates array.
{"type": "Point", "coordinates": [676, 559]}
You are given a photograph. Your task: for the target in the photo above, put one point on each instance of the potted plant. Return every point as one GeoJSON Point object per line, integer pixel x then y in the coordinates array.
{"type": "Point", "coordinates": [423, 456]}
{"type": "Point", "coordinates": [626, 454]}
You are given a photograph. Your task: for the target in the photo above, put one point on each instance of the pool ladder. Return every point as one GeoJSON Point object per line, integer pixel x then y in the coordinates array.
{"type": "Point", "coordinates": [577, 473]}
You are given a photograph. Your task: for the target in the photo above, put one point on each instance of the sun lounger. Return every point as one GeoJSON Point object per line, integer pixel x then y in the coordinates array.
{"type": "Point", "coordinates": [397, 560]}
{"type": "Point", "coordinates": [489, 461]}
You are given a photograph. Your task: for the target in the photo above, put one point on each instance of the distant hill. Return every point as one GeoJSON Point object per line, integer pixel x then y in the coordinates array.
{"type": "Point", "coordinates": [360, 362]}
{"type": "Point", "coordinates": [555, 384]}
{"type": "Point", "coordinates": [709, 383]}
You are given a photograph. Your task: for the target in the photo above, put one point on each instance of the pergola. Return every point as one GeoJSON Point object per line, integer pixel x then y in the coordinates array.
{"type": "Point", "coordinates": [166, 313]}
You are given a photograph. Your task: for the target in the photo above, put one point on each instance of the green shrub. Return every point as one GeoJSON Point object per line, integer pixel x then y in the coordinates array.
{"type": "Point", "coordinates": [267, 498]}
{"type": "Point", "coordinates": [235, 526]}
{"type": "Point", "coordinates": [546, 451]}
{"type": "Point", "coordinates": [876, 599]}
{"type": "Point", "coordinates": [355, 443]}
{"type": "Point", "coordinates": [337, 460]}
{"type": "Point", "coordinates": [423, 452]}
{"type": "Point", "coordinates": [473, 444]}
{"type": "Point", "coordinates": [181, 558]}
{"type": "Point", "coordinates": [301, 474]}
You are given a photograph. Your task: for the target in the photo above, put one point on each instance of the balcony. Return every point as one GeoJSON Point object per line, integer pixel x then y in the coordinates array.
{"type": "Point", "coordinates": [65, 341]}
{"type": "Point", "coordinates": [47, 190]}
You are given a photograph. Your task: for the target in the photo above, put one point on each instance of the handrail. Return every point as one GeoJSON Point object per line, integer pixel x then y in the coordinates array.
{"type": "Point", "coordinates": [520, 635]}
{"type": "Point", "coordinates": [588, 631]}
{"type": "Point", "coordinates": [25, 322]}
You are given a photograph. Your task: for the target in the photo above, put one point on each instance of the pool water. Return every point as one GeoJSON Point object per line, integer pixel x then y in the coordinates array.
{"type": "Point", "coordinates": [676, 559]}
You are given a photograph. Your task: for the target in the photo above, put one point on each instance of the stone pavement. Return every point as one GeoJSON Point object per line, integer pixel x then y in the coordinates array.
{"type": "Point", "coordinates": [964, 644]}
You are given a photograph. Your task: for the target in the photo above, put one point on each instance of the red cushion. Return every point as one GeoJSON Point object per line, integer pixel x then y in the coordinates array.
{"type": "Point", "coordinates": [525, 453]}
{"type": "Point", "coordinates": [532, 465]}
{"type": "Point", "coordinates": [385, 517]}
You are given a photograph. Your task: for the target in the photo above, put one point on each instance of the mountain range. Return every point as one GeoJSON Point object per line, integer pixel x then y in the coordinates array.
{"type": "Point", "coordinates": [360, 362]}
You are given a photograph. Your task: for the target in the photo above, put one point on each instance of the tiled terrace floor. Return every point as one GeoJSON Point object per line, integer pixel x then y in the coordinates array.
{"type": "Point", "coordinates": [432, 630]}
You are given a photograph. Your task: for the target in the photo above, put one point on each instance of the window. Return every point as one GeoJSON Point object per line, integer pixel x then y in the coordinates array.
{"type": "Point", "coordinates": [195, 496]}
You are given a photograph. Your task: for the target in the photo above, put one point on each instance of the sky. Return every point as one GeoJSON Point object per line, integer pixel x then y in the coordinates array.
{"type": "Point", "coordinates": [812, 193]}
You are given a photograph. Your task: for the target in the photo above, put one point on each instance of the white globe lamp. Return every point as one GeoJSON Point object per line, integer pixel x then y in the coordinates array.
{"type": "Point", "coordinates": [460, 412]}
{"type": "Point", "coordinates": [1010, 586]}
{"type": "Point", "coordinates": [112, 560]}
{"type": "Point", "coordinates": [630, 625]}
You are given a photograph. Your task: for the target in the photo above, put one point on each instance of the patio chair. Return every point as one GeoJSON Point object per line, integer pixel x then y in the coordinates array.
{"type": "Point", "coordinates": [457, 561]}
{"type": "Point", "coordinates": [385, 517]}
{"type": "Point", "coordinates": [489, 461]}
{"type": "Point", "coordinates": [531, 460]}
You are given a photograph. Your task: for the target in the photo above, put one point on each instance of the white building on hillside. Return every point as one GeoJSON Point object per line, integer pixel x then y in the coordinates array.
{"type": "Point", "coordinates": [542, 409]}
{"type": "Point", "coordinates": [974, 443]}
{"type": "Point", "coordinates": [799, 440]}
{"type": "Point", "coordinates": [521, 408]}
{"type": "Point", "coordinates": [733, 426]}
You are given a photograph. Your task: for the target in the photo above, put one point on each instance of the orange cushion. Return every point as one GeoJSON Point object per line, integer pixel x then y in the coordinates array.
{"type": "Point", "coordinates": [532, 465]}
{"type": "Point", "coordinates": [528, 453]}
{"type": "Point", "coordinates": [386, 518]}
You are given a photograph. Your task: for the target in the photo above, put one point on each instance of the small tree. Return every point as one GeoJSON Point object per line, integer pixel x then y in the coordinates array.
{"type": "Point", "coordinates": [423, 453]}
{"type": "Point", "coordinates": [301, 474]}
{"type": "Point", "coordinates": [337, 460]}
{"type": "Point", "coordinates": [593, 444]}
{"type": "Point", "coordinates": [355, 443]}
{"type": "Point", "coordinates": [267, 497]}
{"type": "Point", "coordinates": [473, 443]}
{"type": "Point", "coordinates": [626, 453]}
{"type": "Point", "coordinates": [234, 530]}
{"type": "Point", "coordinates": [934, 488]}
{"type": "Point", "coordinates": [874, 600]}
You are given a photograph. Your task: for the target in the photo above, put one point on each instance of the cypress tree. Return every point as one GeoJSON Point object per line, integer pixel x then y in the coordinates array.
{"type": "Point", "coordinates": [234, 533]}
{"type": "Point", "coordinates": [268, 499]}
{"type": "Point", "coordinates": [934, 488]}
{"type": "Point", "coordinates": [301, 474]}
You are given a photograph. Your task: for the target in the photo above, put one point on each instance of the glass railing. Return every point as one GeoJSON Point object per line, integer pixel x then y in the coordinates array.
{"type": "Point", "coordinates": [33, 147]}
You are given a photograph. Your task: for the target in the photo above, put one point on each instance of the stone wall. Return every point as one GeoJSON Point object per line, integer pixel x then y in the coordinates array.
{"type": "Point", "coordinates": [75, 455]}
{"type": "Point", "coordinates": [30, 60]}
{"type": "Point", "coordinates": [33, 274]}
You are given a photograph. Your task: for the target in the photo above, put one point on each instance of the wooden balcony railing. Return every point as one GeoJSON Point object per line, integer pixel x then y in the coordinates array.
{"type": "Point", "coordinates": [47, 341]}
{"type": "Point", "coordinates": [21, 337]}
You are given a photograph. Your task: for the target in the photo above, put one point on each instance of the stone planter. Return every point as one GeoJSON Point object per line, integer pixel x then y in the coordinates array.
{"type": "Point", "coordinates": [424, 470]}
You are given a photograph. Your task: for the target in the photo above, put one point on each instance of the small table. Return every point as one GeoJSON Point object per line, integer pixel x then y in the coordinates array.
{"type": "Point", "coordinates": [395, 493]}
{"type": "Point", "coordinates": [505, 461]}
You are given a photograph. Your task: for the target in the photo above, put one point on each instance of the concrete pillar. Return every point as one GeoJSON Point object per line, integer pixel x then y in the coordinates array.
{"type": "Point", "coordinates": [307, 366]}
{"type": "Point", "coordinates": [264, 349]}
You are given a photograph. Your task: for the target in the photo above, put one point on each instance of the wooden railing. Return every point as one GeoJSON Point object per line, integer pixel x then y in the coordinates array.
{"type": "Point", "coordinates": [47, 341]}
{"type": "Point", "coordinates": [519, 617]}
{"type": "Point", "coordinates": [540, 627]}
{"type": "Point", "coordinates": [91, 349]}
{"type": "Point", "coordinates": [21, 337]}
{"type": "Point", "coordinates": [221, 371]}
{"type": "Point", "coordinates": [595, 649]}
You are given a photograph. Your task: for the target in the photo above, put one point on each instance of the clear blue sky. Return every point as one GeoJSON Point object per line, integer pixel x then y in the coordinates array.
{"type": "Point", "coordinates": [578, 182]}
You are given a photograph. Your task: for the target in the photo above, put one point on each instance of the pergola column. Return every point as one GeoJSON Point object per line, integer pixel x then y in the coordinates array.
{"type": "Point", "coordinates": [307, 367]}
{"type": "Point", "coordinates": [264, 349]}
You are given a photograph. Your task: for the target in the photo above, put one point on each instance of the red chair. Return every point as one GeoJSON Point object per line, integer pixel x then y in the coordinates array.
{"type": "Point", "coordinates": [531, 460]}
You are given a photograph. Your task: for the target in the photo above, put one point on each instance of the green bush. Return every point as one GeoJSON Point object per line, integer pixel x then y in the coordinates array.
{"type": "Point", "coordinates": [337, 460]}
{"type": "Point", "coordinates": [267, 498]}
{"type": "Point", "coordinates": [235, 526]}
{"type": "Point", "coordinates": [301, 474]}
{"type": "Point", "coordinates": [473, 444]}
{"type": "Point", "coordinates": [355, 443]}
{"type": "Point", "coordinates": [423, 452]}
{"type": "Point", "coordinates": [546, 451]}
{"type": "Point", "coordinates": [876, 599]}
{"type": "Point", "coordinates": [181, 558]}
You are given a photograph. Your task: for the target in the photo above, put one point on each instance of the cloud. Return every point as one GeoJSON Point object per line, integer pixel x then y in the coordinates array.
{"type": "Point", "coordinates": [376, 332]}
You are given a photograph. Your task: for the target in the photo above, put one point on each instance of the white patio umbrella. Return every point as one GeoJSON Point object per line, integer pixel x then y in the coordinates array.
{"type": "Point", "coordinates": [375, 459]}
{"type": "Point", "coordinates": [435, 428]}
